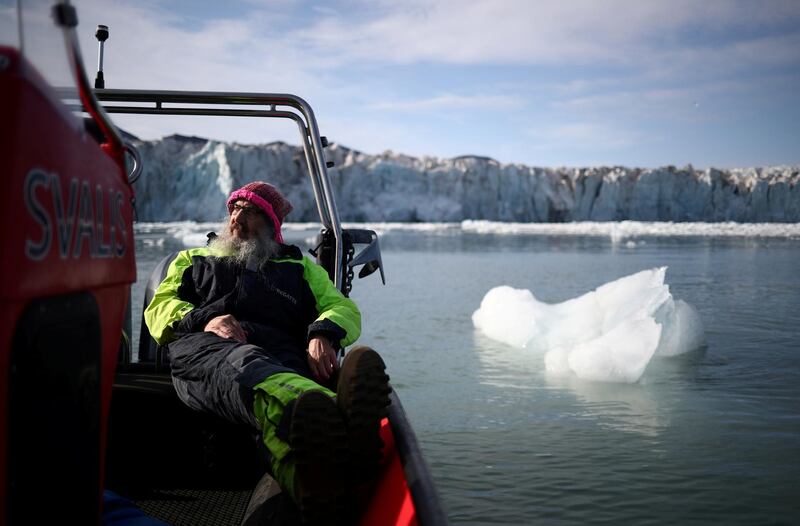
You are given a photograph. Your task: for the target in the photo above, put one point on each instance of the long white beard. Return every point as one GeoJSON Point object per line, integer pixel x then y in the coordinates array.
{"type": "Point", "coordinates": [252, 253]}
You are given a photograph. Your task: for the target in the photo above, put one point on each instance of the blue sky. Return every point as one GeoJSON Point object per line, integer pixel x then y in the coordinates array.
{"type": "Point", "coordinates": [568, 83]}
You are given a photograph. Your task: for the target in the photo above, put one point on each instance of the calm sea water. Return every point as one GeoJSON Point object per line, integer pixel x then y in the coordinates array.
{"type": "Point", "coordinates": [712, 437]}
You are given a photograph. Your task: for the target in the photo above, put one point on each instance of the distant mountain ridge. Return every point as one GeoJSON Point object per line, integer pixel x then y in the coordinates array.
{"type": "Point", "coordinates": [188, 178]}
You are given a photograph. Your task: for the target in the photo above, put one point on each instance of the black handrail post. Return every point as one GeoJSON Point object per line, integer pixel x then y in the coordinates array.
{"type": "Point", "coordinates": [102, 36]}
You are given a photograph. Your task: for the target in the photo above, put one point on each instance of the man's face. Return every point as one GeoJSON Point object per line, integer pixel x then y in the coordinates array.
{"type": "Point", "coordinates": [246, 220]}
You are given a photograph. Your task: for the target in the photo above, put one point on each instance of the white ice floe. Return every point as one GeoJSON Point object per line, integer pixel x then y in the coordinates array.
{"type": "Point", "coordinates": [621, 230]}
{"type": "Point", "coordinates": [609, 334]}
{"type": "Point", "coordinates": [191, 234]}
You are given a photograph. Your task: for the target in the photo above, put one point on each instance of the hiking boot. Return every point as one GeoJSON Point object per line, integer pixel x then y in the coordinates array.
{"type": "Point", "coordinates": [362, 395]}
{"type": "Point", "coordinates": [318, 438]}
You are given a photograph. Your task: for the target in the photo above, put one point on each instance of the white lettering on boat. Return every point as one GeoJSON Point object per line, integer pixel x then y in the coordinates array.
{"type": "Point", "coordinates": [77, 223]}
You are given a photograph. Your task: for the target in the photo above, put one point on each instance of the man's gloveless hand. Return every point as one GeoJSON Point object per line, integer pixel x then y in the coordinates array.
{"type": "Point", "coordinates": [322, 357]}
{"type": "Point", "coordinates": [226, 326]}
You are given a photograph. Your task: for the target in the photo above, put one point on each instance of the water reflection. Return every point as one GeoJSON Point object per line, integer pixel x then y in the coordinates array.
{"type": "Point", "coordinates": [622, 407]}
{"type": "Point", "coordinates": [630, 408]}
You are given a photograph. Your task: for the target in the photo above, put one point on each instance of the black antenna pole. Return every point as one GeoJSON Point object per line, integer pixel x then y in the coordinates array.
{"type": "Point", "coordinates": [102, 36]}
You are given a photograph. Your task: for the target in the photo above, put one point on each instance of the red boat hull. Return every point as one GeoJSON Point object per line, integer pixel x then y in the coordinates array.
{"type": "Point", "coordinates": [67, 243]}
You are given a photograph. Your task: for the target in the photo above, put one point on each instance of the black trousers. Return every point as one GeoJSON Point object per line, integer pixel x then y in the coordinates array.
{"type": "Point", "coordinates": [217, 375]}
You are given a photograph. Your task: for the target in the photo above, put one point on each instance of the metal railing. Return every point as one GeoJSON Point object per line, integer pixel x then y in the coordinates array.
{"type": "Point", "coordinates": [270, 105]}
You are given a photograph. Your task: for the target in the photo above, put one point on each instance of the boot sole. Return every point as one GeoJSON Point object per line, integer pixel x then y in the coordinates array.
{"type": "Point", "coordinates": [364, 404]}
{"type": "Point", "coordinates": [318, 437]}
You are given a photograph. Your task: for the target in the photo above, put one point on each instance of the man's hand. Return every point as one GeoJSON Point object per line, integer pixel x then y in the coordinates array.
{"type": "Point", "coordinates": [226, 326]}
{"type": "Point", "coordinates": [322, 357]}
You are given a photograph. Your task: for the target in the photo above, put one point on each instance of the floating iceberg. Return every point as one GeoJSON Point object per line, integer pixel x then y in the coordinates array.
{"type": "Point", "coordinates": [609, 334]}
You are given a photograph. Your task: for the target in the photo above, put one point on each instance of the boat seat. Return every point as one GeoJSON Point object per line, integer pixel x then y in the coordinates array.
{"type": "Point", "coordinates": [150, 352]}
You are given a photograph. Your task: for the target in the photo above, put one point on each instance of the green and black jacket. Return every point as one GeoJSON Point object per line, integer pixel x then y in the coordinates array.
{"type": "Point", "coordinates": [283, 304]}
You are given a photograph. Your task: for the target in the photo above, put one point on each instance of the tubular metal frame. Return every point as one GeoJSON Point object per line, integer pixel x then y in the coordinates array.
{"type": "Point", "coordinates": [297, 110]}
{"type": "Point", "coordinates": [291, 107]}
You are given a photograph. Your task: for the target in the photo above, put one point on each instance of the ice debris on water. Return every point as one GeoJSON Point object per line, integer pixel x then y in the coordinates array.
{"type": "Point", "coordinates": [609, 334]}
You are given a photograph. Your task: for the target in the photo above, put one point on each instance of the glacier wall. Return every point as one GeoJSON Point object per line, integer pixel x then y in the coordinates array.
{"type": "Point", "coordinates": [188, 178]}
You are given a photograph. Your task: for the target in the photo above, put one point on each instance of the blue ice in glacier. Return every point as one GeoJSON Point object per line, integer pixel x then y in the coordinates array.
{"type": "Point", "coordinates": [609, 334]}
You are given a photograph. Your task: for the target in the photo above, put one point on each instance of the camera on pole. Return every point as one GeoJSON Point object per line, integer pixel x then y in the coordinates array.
{"type": "Point", "coordinates": [102, 36]}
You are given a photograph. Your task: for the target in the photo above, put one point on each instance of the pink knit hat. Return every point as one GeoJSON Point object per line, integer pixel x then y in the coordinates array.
{"type": "Point", "coordinates": [267, 198]}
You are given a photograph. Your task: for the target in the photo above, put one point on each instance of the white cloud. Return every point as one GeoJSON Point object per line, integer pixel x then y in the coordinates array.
{"type": "Point", "coordinates": [253, 51]}
{"type": "Point", "coordinates": [586, 136]}
{"type": "Point", "coordinates": [629, 61]}
{"type": "Point", "coordinates": [702, 100]}
{"type": "Point", "coordinates": [150, 48]}
{"type": "Point", "coordinates": [451, 101]}
{"type": "Point", "coordinates": [524, 32]}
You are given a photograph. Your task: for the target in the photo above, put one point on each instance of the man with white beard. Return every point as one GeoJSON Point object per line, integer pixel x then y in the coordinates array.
{"type": "Point", "coordinates": [251, 326]}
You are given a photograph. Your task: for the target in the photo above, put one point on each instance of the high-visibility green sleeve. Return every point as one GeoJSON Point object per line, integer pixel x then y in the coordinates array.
{"type": "Point", "coordinates": [166, 307]}
{"type": "Point", "coordinates": [331, 303]}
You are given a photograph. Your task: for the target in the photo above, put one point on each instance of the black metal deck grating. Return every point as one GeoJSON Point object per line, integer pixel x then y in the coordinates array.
{"type": "Point", "coordinates": [191, 507]}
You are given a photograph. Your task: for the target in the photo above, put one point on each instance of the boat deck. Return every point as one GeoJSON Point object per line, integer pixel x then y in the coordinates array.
{"type": "Point", "coordinates": [183, 467]}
